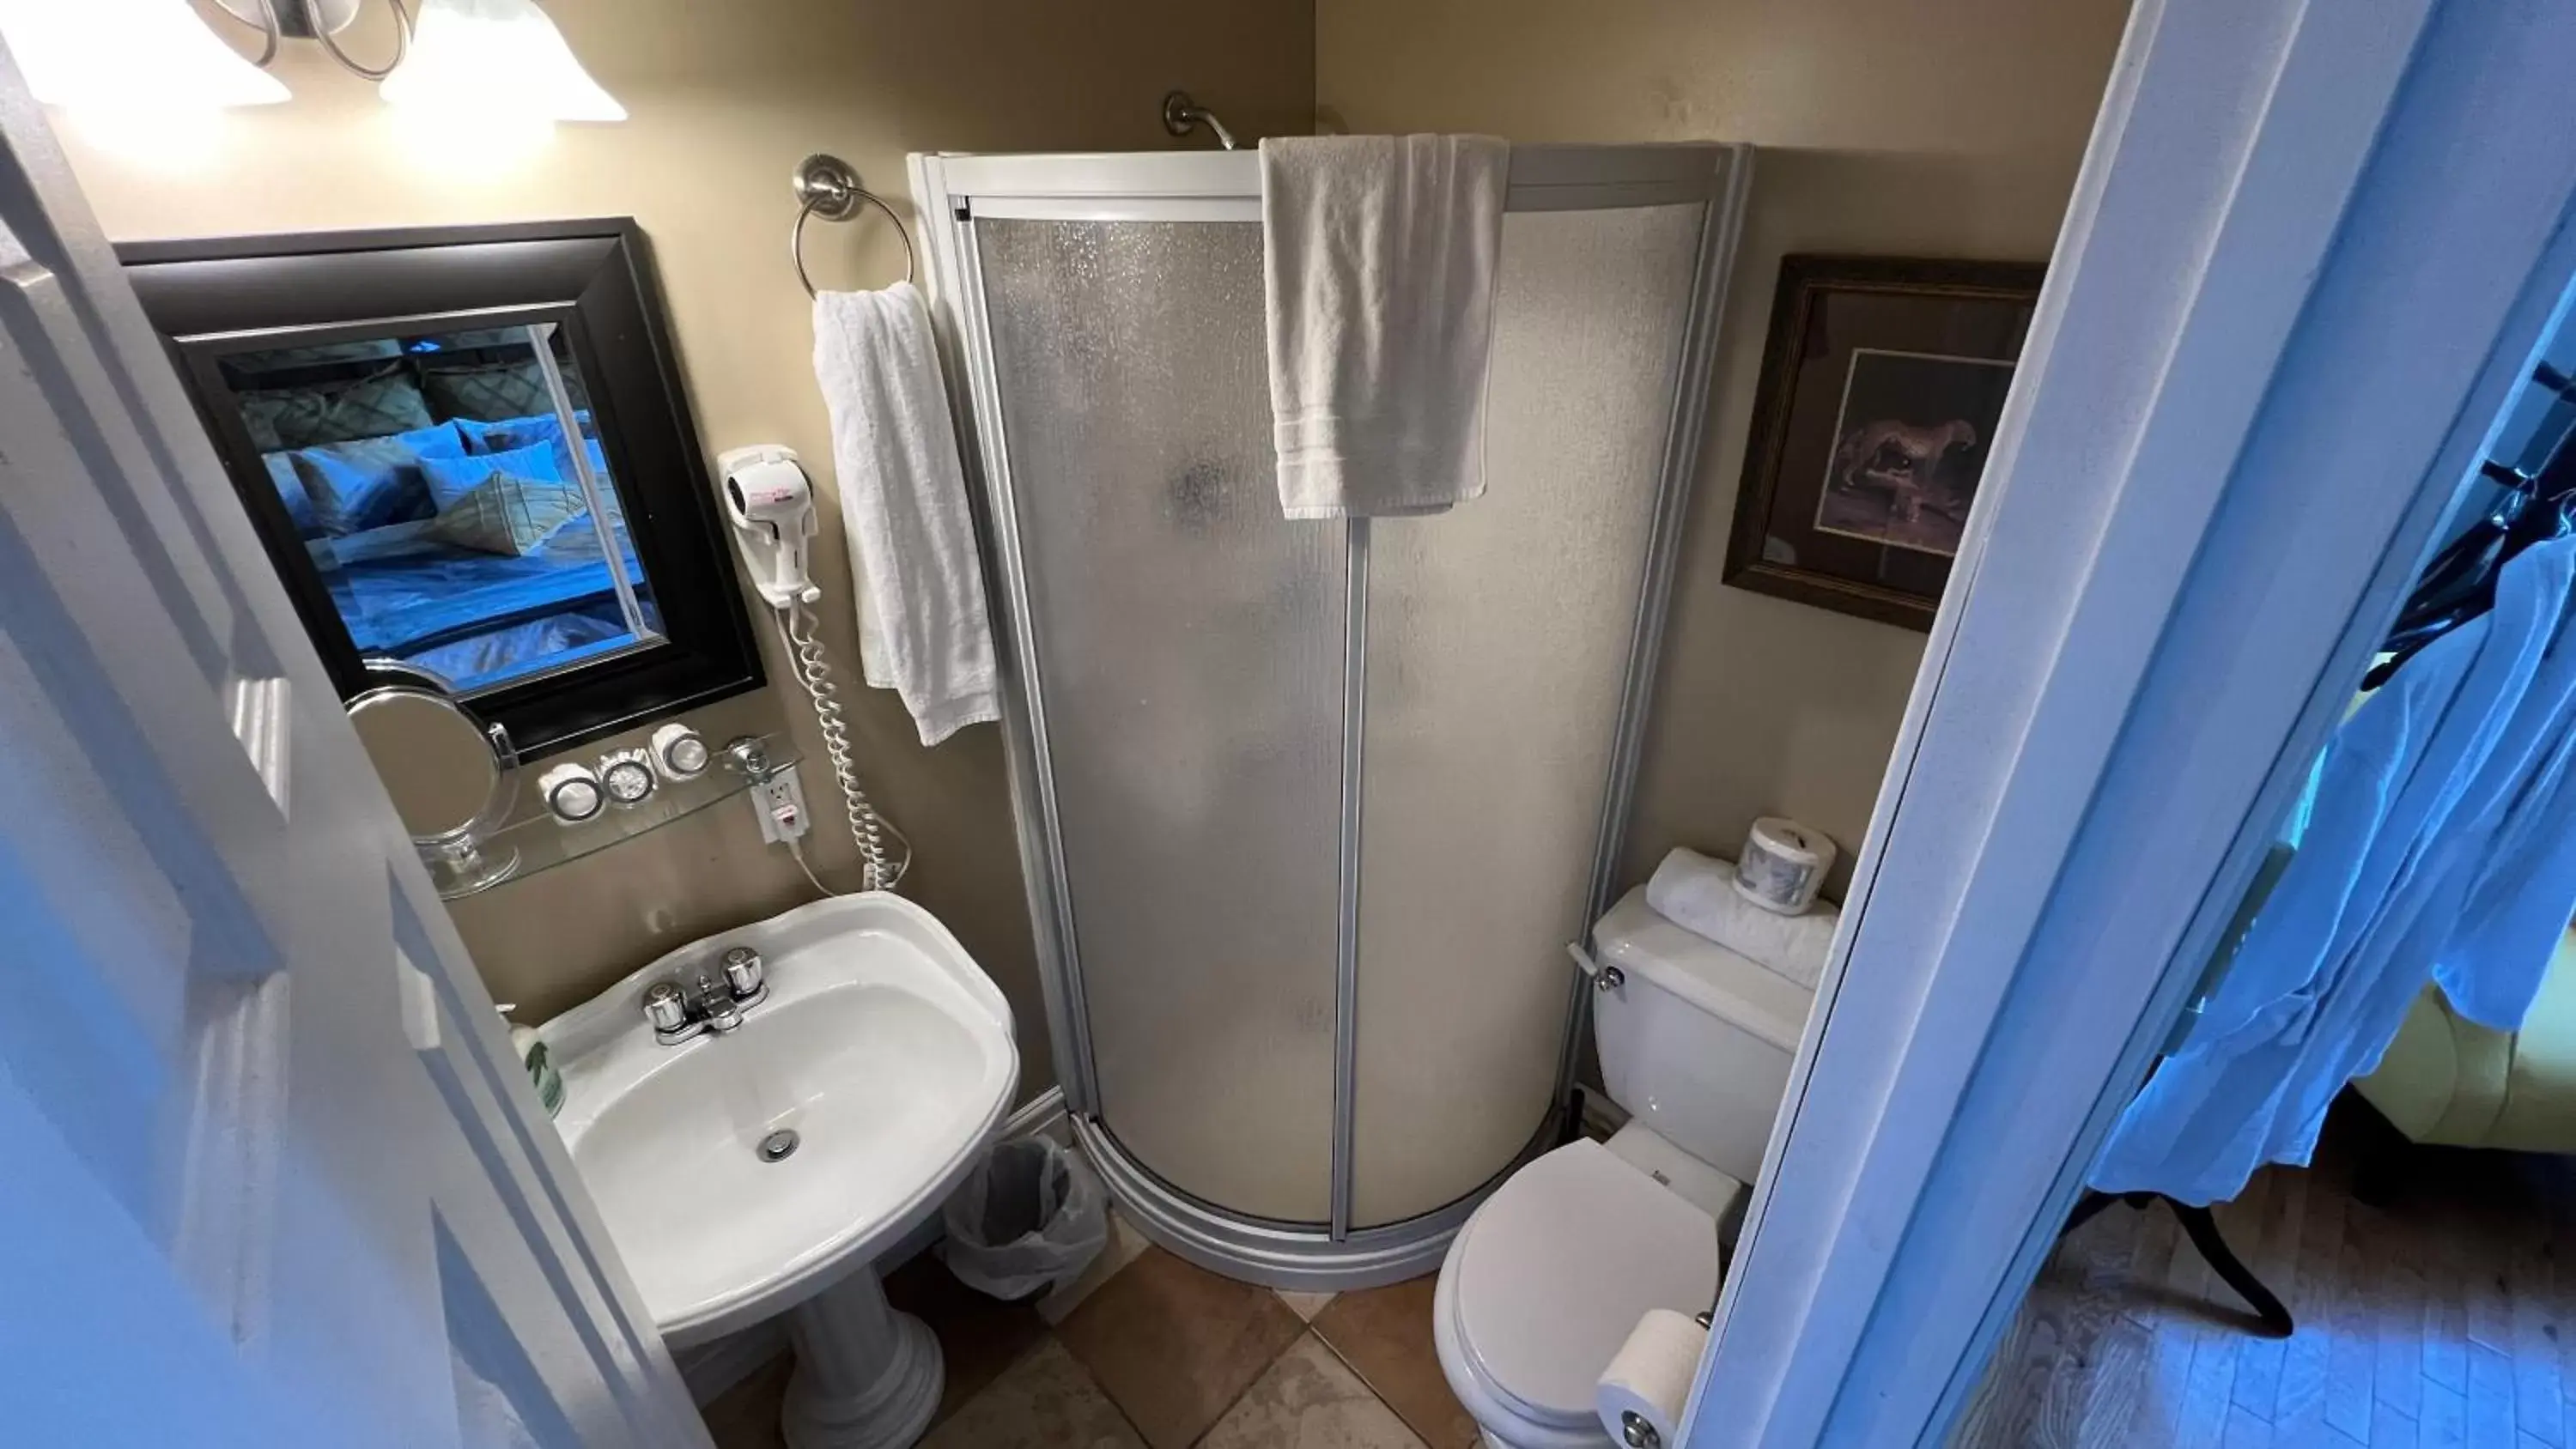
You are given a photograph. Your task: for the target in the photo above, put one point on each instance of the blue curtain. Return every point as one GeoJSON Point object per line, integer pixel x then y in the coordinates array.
{"type": "Point", "coordinates": [2441, 843]}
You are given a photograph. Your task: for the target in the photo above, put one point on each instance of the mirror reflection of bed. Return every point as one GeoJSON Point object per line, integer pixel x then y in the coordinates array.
{"type": "Point", "coordinates": [432, 482]}
{"type": "Point", "coordinates": [468, 451]}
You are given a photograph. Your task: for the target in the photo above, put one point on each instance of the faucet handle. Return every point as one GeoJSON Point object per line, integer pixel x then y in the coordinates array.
{"type": "Point", "coordinates": [745, 975]}
{"type": "Point", "coordinates": [665, 1008]}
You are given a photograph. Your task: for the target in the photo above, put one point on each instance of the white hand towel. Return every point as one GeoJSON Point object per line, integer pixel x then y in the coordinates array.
{"type": "Point", "coordinates": [1697, 893]}
{"type": "Point", "coordinates": [922, 626]}
{"type": "Point", "coordinates": [1379, 261]}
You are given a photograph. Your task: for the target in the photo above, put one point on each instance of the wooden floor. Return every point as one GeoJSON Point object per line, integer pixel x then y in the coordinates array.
{"type": "Point", "coordinates": [2447, 1317]}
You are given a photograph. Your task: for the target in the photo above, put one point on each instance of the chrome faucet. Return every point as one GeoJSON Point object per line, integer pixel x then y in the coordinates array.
{"type": "Point", "coordinates": [716, 1005]}
{"type": "Point", "coordinates": [710, 1004]}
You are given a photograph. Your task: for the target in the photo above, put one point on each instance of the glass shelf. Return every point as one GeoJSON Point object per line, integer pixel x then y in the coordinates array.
{"type": "Point", "coordinates": [534, 841]}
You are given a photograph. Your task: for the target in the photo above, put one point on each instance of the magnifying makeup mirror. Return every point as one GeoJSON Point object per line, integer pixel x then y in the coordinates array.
{"type": "Point", "coordinates": [453, 778]}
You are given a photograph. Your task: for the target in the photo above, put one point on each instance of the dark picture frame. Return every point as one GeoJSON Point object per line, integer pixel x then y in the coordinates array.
{"type": "Point", "coordinates": [1882, 381]}
{"type": "Point", "coordinates": [214, 298]}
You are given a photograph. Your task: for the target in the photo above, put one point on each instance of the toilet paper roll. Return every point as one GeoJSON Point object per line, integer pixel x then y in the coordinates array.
{"type": "Point", "coordinates": [1650, 1378]}
{"type": "Point", "coordinates": [1783, 865]}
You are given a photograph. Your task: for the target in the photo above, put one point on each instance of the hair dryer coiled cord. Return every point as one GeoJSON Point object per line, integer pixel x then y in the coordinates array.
{"type": "Point", "coordinates": [802, 634]}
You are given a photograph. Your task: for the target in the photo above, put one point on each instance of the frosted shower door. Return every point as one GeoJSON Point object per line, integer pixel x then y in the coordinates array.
{"type": "Point", "coordinates": [1498, 643]}
{"type": "Point", "coordinates": [1189, 647]}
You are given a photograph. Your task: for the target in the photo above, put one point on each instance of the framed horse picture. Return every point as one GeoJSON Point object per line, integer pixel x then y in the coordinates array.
{"type": "Point", "coordinates": [1882, 383]}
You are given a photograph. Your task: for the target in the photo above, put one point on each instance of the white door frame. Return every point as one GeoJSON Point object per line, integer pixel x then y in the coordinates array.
{"type": "Point", "coordinates": [2312, 248]}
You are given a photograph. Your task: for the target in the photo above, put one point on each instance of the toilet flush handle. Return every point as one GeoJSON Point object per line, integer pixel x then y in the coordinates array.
{"type": "Point", "coordinates": [1605, 977]}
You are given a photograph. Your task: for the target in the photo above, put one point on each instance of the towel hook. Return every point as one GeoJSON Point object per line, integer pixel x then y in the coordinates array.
{"type": "Point", "coordinates": [827, 187]}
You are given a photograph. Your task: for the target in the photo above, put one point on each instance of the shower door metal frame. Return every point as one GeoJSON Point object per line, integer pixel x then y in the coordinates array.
{"type": "Point", "coordinates": [953, 192]}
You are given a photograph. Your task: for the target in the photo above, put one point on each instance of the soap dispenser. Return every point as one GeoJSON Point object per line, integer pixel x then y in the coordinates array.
{"type": "Point", "coordinates": [532, 1054]}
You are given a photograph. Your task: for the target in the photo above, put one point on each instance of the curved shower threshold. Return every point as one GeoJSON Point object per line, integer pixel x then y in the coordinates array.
{"type": "Point", "coordinates": [1298, 1258]}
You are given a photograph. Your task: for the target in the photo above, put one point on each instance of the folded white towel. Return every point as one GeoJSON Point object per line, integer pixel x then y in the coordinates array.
{"type": "Point", "coordinates": [1379, 260]}
{"type": "Point", "coordinates": [922, 627]}
{"type": "Point", "coordinates": [1697, 893]}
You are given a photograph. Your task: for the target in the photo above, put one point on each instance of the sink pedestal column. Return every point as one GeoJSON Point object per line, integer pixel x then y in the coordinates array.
{"type": "Point", "coordinates": [867, 1377]}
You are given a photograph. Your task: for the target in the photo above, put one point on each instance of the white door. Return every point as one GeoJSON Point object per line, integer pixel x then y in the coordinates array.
{"type": "Point", "coordinates": [2312, 251]}
{"type": "Point", "coordinates": [268, 1172]}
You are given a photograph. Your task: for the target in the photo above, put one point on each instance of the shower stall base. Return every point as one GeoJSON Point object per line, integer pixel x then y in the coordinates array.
{"type": "Point", "coordinates": [1291, 1256]}
{"type": "Point", "coordinates": [1308, 811]}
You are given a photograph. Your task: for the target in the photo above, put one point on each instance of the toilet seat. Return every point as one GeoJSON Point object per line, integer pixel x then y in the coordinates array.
{"type": "Point", "coordinates": [1550, 1276]}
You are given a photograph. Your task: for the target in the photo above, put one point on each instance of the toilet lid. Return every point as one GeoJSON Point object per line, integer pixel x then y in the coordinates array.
{"type": "Point", "coordinates": [1559, 1264]}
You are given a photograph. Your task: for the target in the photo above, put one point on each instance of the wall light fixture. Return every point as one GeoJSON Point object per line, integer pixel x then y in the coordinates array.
{"type": "Point", "coordinates": [128, 54]}
{"type": "Point", "coordinates": [471, 59]}
{"type": "Point", "coordinates": [486, 56]}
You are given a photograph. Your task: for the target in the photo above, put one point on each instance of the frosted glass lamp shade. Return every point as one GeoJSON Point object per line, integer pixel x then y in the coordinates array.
{"type": "Point", "coordinates": [481, 58]}
{"type": "Point", "coordinates": [129, 55]}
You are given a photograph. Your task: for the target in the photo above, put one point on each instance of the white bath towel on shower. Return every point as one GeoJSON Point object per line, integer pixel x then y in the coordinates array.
{"type": "Point", "coordinates": [922, 626]}
{"type": "Point", "coordinates": [1379, 260]}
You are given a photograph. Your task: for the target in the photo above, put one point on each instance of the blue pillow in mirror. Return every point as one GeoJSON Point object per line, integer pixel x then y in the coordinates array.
{"type": "Point", "coordinates": [368, 483]}
{"type": "Point", "coordinates": [507, 433]}
{"type": "Point", "coordinates": [438, 440]}
{"type": "Point", "coordinates": [304, 417]}
{"type": "Point", "coordinates": [450, 479]}
{"type": "Point", "coordinates": [514, 433]}
{"type": "Point", "coordinates": [492, 390]}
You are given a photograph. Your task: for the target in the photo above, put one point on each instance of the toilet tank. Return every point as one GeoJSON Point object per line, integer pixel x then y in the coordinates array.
{"type": "Point", "coordinates": [1696, 1041]}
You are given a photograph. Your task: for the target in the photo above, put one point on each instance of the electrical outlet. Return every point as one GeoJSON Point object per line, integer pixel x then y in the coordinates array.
{"type": "Point", "coordinates": [780, 803]}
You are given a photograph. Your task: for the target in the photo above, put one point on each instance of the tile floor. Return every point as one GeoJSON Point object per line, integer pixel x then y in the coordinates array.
{"type": "Point", "coordinates": [1148, 1350]}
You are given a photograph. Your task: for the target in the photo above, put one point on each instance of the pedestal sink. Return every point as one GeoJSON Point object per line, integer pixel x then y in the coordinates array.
{"type": "Point", "coordinates": [763, 1170]}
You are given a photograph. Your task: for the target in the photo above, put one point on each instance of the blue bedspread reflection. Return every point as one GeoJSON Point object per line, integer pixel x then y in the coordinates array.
{"type": "Point", "coordinates": [555, 641]}
{"type": "Point", "coordinates": [471, 615]}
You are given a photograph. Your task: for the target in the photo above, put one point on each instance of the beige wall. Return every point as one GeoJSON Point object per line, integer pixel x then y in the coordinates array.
{"type": "Point", "coordinates": [1887, 126]}
{"type": "Point", "coordinates": [724, 98]}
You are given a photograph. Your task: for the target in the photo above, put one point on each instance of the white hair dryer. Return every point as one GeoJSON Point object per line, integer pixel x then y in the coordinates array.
{"type": "Point", "coordinates": [771, 503]}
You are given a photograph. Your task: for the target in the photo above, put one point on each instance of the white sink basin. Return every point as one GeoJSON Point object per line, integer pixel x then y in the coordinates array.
{"type": "Point", "coordinates": [888, 1053]}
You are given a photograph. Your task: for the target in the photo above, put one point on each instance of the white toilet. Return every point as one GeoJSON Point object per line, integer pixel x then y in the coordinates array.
{"type": "Point", "coordinates": [1546, 1280]}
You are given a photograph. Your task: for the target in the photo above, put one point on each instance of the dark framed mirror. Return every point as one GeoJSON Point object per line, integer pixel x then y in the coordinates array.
{"type": "Point", "coordinates": [468, 451]}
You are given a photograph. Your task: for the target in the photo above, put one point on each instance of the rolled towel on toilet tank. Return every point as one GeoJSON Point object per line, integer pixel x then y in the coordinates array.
{"type": "Point", "coordinates": [1697, 893]}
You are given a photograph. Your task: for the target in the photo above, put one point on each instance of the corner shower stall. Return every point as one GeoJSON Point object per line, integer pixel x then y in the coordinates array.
{"type": "Point", "coordinates": [1309, 811]}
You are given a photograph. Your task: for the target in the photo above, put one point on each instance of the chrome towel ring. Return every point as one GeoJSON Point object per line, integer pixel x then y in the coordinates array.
{"type": "Point", "coordinates": [827, 187]}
